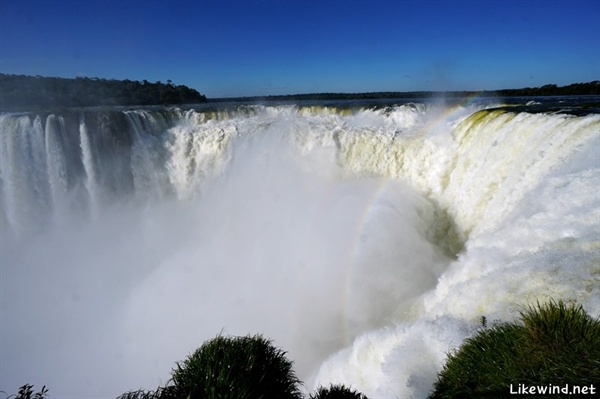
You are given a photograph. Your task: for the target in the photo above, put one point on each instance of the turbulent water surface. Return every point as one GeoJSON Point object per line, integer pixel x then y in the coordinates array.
{"type": "Point", "coordinates": [366, 240]}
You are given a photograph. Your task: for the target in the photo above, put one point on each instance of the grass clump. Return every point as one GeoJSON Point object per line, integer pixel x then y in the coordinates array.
{"type": "Point", "coordinates": [337, 392]}
{"type": "Point", "coordinates": [167, 392]}
{"type": "Point", "coordinates": [236, 367]}
{"type": "Point", "coordinates": [26, 392]}
{"type": "Point", "coordinates": [554, 344]}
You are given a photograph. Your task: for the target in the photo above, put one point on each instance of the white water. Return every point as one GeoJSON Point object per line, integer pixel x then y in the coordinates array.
{"type": "Point", "coordinates": [366, 244]}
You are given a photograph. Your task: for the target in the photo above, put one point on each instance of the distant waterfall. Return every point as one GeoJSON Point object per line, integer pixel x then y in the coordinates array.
{"type": "Point", "coordinates": [52, 164]}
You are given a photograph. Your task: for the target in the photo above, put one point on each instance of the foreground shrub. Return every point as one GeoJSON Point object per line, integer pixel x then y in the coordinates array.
{"type": "Point", "coordinates": [554, 345]}
{"type": "Point", "coordinates": [160, 393]}
{"type": "Point", "coordinates": [337, 392]}
{"type": "Point", "coordinates": [26, 392]}
{"type": "Point", "coordinates": [236, 367]}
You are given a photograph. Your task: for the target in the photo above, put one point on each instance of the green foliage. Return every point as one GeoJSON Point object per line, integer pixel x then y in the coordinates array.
{"type": "Point", "coordinates": [26, 392]}
{"type": "Point", "coordinates": [590, 88]}
{"type": "Point", "coordinates": [236, 367]}
{"type": "Point", "coordinates": [160, 393]}
{"type": "Point", "coordinates": [337, 392]}
{"type": "Point", "coordinates": [555, 344]}
{"type": "Point", "coordinates": [575, 89]}
{"type": "Point", "coordinates": [30, 93]}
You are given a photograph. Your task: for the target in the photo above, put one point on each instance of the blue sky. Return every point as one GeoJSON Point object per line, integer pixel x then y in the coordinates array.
{"type": "Point", "coordinates": [259, 47]}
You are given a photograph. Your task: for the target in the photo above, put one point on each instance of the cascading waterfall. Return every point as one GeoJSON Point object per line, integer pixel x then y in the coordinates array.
{"type": "Point", "coordinates": [365, 241]}
{"type": "Point", "coordinates": [88, 163]}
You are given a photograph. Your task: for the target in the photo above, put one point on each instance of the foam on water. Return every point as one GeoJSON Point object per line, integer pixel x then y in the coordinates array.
{"type": "Point", "coordinates": [367, 243]}
{"type": "Point", "coordinates": [523, 190]}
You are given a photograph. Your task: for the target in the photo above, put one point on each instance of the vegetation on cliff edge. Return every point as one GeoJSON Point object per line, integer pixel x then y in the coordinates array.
{"type": "Point", "coordinates": [27, 93]}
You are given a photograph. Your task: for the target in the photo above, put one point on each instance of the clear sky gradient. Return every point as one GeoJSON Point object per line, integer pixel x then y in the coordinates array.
{"type": "Point", "coordinates": [227, 48]}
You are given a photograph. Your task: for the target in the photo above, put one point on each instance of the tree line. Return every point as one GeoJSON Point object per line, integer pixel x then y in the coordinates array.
{"type": "Point", "coordinates": [30, 93]}
{"type": "Point", "coordinates": [575, 89]}
{"type": "Point", "coordinates": [25, 93]}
